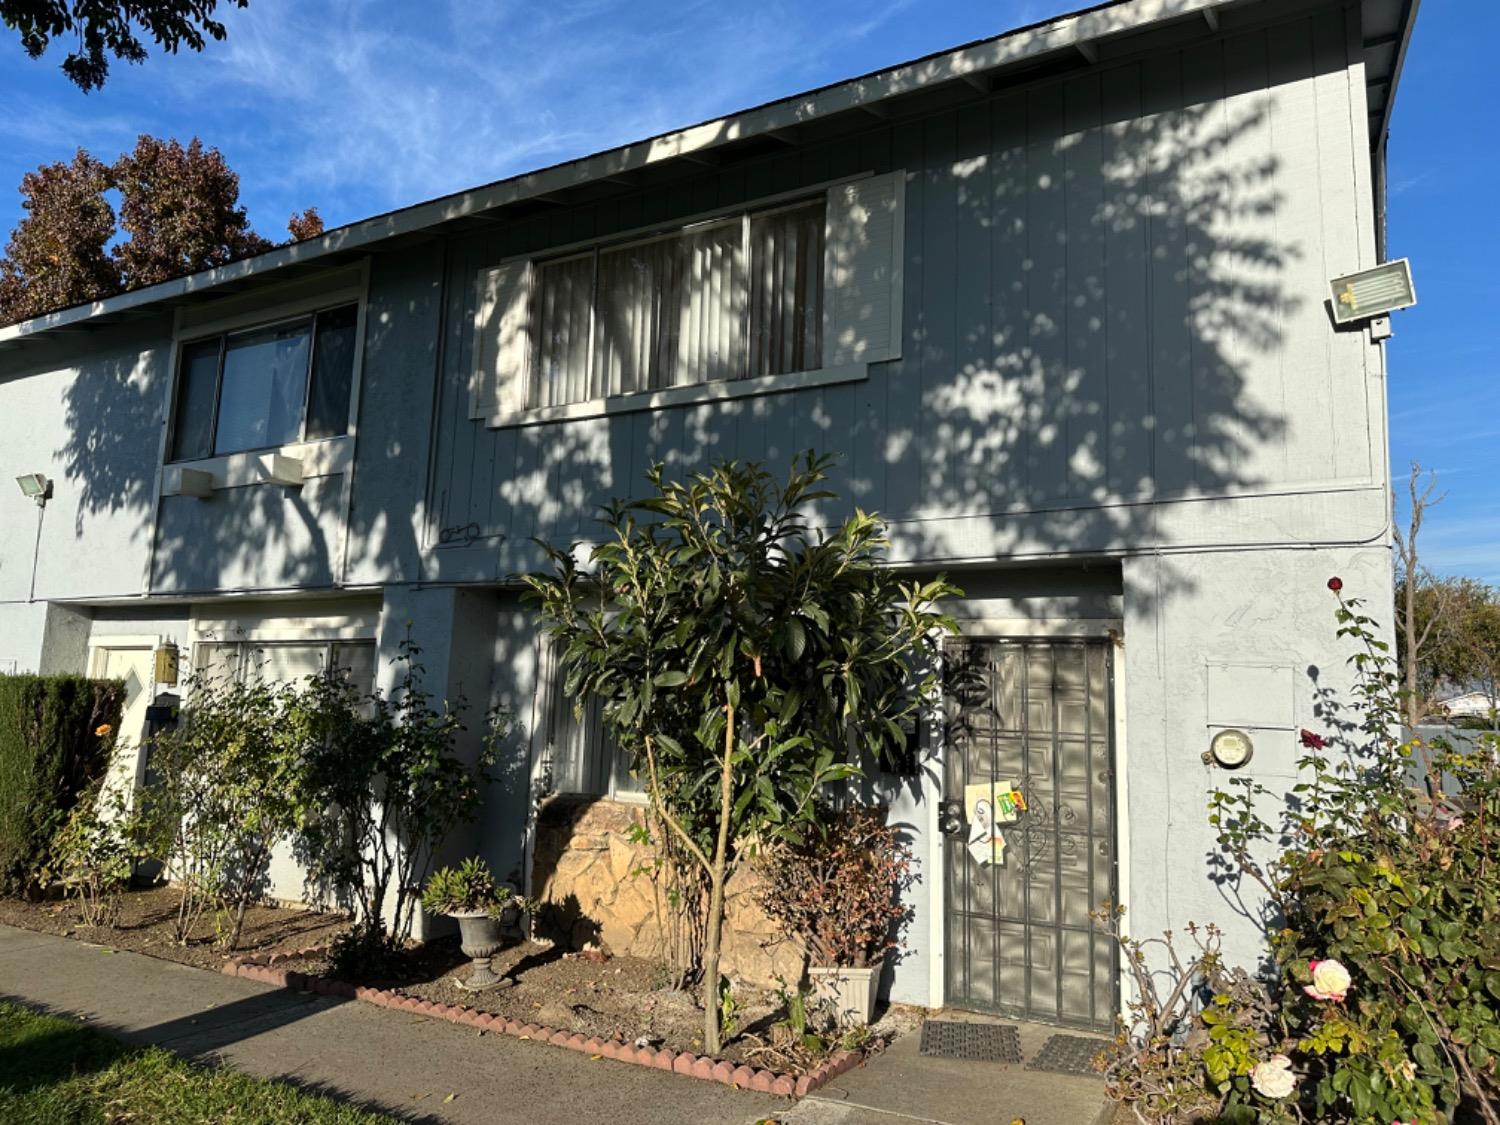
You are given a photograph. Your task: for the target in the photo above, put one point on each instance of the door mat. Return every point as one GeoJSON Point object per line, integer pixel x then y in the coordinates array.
{"type": "Point", "coordinates": [951, 1039]}
{"type": "Point", "coordinates": [1069, 1054]}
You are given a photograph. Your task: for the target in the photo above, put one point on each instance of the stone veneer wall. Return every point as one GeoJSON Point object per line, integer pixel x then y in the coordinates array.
{"type": "Point", "coordinates": [590, 880]}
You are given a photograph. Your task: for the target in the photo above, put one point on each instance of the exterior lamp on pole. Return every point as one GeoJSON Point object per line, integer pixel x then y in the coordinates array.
{"type": "Point", "coordinates": [35, 486]}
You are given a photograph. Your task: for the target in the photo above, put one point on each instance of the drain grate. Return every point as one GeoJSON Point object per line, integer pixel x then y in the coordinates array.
{"type": "Point", "coordinates": [992, 1042]}
{"type": "Point", "coordinates": [1068, 1054]}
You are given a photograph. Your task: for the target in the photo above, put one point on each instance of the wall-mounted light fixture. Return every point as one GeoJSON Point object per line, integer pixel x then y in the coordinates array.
{"type": "Point", "coordinates": [35, 486]}
{"type": "Point", "coordinates": [1374, 292]}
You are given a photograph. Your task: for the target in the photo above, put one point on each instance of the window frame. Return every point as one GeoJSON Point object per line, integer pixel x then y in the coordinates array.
{"type": "Point", "coordinates": [743, 217]}
{"type": "Point", "coordinates": [276, 319]}
{"type": "Point", "coordinates": [548, 698]}
{"type": "Point", "coordinates": [202, 645]}
{"type": "Point", "coordinates": [630, 402]}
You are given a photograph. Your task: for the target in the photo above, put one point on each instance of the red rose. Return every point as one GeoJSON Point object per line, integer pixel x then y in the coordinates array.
{"type": "Point", "coordinates": [1314, 741]}
{"type": "Point", "coordinates": [1335, 584]}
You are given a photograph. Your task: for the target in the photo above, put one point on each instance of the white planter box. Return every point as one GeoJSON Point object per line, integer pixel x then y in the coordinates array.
{"type": "Point", "coordinates": [850, 991]}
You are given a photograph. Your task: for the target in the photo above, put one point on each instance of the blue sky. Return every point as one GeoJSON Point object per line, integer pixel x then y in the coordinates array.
{"type": "Point", "coordinates": [360, 106]}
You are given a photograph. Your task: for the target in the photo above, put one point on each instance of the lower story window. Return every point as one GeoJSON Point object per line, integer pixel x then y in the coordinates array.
{"type": "Point", "coordinates": [289, 662]}
{"type": "Point", "coordinates": [579, 752]}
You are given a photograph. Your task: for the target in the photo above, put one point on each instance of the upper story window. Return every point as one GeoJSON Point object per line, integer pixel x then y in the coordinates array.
{"type": "Point", "coordinates": [711, 309]}
{"type": "Point", "coordinates": [721, 300]}
{"type": "Point", "coordinates": [266, 386]}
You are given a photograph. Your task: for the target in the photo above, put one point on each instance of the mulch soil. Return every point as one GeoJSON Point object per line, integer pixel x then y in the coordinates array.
{"type": "Point", "coordinates": [147, 916]}
{"type": "Point", "coordinates": [623, 998]}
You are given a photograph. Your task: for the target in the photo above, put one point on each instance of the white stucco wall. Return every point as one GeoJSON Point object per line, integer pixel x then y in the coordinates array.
{"type": "Point", "coordinates": [1250, 613]}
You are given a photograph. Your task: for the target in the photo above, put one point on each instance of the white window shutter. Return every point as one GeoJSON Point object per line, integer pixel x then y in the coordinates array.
{"type": "Point", "coordinates": [862, 270]}
{"type": "Point", "coordinates": [502, 341]}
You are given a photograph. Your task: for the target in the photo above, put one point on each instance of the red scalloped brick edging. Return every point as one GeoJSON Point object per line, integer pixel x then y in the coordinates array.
{"type": "Point", "coordinates": [678, 1062]}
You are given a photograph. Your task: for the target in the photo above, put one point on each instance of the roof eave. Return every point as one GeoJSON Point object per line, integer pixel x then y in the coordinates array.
{"type": "Point", "coordinates": [975, 63]}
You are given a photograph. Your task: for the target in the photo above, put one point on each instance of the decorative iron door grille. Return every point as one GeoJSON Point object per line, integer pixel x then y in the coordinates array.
{"type": "Point", "coordinates": [1039, 715]}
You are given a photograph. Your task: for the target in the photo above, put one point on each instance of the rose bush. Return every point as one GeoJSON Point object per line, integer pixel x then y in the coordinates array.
{"type": "Point", "coordinates": [1383, 925]}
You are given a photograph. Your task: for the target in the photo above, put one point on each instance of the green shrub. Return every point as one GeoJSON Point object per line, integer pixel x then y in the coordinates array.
{"type": "Point", "coordinates": [221, 798]}
{"type": "Point", "coordinates": [56, 734]}
{"type": "Point", "coordinates": [95, 853]}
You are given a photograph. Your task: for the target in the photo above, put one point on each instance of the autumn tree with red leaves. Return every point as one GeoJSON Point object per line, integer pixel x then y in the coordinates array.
{"type": "Point", "coordinates": [307, 225]}
{"type": "Point", "coordinates": [58, 254]}
{"type": "Point", "coordinates": [180, 208]}
{"type": "Point", "coordinates": [179, 212]}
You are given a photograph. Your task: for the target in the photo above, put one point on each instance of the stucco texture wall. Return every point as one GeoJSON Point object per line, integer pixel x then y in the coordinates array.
{"type": "Point", "coordinates": [1238, 638]}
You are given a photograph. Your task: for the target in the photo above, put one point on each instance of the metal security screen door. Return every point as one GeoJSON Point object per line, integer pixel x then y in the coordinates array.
{"type": "Point", "coordinates": [1037, 714]}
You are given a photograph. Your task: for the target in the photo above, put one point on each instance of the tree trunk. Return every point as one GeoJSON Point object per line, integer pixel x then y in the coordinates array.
{"type": "Point", "coordinates": [710, 986]}
{"type": "Point", "coordinates": [239, 920]}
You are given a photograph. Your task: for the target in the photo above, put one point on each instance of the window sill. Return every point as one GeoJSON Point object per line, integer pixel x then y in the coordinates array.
{"type": "Point", "coordinates": [323, 458]}
{"type": "Point", "coordinates": [682, 396]}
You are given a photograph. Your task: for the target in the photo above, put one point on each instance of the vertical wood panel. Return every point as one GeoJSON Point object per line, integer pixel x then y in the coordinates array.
{"type": "Point", "coordinates": [1341, 235]}
{"type": "Point", "coordinates": [1086, 387]}
{"type": "Point", "coordinates": [940, 299]}
{"type": "Point", "coordinates": [963, 403]}
{"type": "Point", "coordinates": [903, 378]}
{"type": "Point", "coordinates": [1046, 297]}
{"type": "Point", "coordinates": [868, 453]}
{"type": "Point", "coordinates": [1010, 436]}
{"type": "Point", "coordinates": [1165, 124]}
{"type": "Point", "coordinates": [1248, 271]}
{"type": "Point", "coordinates": [1307, 399]}
{"type": "Point", "coordinates": [1128, 321]}
{"type": "Point", "coordinates": [1203, 93]}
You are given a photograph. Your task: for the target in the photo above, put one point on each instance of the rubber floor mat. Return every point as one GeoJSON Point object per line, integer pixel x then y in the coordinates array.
{"type": "Point", "coordinates": [1068, 1054]}
{"type": "Point", "coordinates": [952, 1039]}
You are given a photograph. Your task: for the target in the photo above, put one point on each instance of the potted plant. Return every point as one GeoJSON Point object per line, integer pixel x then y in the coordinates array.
{"type": "Point", "coordinates": [837, 890]}
{"type": "Point", "coordinates": [483, 909]}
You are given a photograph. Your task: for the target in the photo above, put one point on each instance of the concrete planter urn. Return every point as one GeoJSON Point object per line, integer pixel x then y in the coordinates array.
{"type": "Point", "coordinates": [480, 939]}
{"type": "Point", "coordinates": [849, 991]}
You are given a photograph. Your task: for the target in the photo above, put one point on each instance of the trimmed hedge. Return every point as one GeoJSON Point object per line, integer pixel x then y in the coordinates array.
{"type": "Point", "coordinates": [49, 753]}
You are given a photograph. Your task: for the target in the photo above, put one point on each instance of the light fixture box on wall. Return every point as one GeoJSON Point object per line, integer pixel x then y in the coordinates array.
{"type": "Point", "coordinates": [1374, 292]}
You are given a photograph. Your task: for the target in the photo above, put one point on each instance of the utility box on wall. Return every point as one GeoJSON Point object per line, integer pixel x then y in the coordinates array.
{"type": "Point", "coordinates": [1261, 696]}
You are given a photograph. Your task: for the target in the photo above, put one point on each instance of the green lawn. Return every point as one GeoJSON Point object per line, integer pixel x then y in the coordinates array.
{"type": "Point", "coordinates": [54, 1071]}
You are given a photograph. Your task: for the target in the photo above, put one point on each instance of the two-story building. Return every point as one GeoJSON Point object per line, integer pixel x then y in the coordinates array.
{"type": "Point", "coordinates": [1058, 299]}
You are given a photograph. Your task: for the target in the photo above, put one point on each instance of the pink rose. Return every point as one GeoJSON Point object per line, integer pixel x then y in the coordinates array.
{"type": "Point", "coordinates": [1330, 981]}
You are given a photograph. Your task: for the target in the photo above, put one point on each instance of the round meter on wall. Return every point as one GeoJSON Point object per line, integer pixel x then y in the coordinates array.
{"type": "Point", "coordinates": [1230, 749]}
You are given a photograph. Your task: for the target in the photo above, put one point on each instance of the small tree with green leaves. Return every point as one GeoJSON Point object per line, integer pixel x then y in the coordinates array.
{"type": "Point", "coordinates": [743, 658]}
{"type": "Point", "coordinates": [380, 787]}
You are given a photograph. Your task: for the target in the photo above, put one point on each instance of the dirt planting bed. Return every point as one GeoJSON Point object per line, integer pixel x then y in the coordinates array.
{"type": "Point", "coordinates": [622, 999]}
{"type": "Point", "coordinates": [146, 923]}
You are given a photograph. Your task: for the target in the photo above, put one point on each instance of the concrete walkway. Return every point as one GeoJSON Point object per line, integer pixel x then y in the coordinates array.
{"type": "Point", "coordinates": [391, 1061]}
{"type": "Point", "coordinates": [408, 1066]}
{"type": "Point", "coordinates": [903, 1087]}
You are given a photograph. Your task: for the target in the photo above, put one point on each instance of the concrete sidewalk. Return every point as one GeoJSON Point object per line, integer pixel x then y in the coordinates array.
{"type": "Point", "coordinates": [391, 1061]}
{"type": "Point", "coordinates": [408, 1065]}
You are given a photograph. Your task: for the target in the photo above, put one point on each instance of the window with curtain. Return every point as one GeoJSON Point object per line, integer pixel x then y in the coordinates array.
{"type": "Point", "coordinates": [289, 662]}
{"type": "Point", "coordinates": [580, 753]}
{"type": "Point", "coordinates": [729, 299]}
{"type": "Point", "coordinates": [266, 386]}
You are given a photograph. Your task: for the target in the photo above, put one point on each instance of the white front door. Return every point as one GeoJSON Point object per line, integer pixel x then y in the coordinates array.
{"type": "Point", "coordinates": [136, 666]}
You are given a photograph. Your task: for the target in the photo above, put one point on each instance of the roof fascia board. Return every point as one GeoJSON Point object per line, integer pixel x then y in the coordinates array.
{"type": "Point", "coordinates": [864, 92]}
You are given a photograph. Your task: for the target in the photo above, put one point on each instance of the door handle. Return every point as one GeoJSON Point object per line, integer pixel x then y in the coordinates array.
{"type": "Point", "coordinates": [951, 817]}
